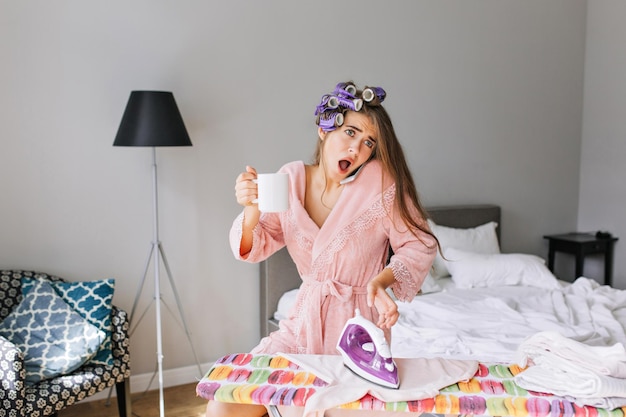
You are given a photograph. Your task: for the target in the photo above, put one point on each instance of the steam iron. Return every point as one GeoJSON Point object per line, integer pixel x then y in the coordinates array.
{"type": "Point", "coordinates": [366, 353]}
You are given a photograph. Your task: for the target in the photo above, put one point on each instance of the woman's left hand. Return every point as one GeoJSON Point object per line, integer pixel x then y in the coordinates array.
{"type": "Point", "coordinates": [378, 297]}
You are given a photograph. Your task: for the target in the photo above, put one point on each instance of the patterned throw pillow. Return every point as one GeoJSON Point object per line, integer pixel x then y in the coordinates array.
{"type": "Point", "coordinates": [92, 300]}
{"type": "Point", "coordinates": [54, 339]}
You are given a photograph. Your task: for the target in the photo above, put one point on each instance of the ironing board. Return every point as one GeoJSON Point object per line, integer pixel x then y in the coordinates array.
{"type": "Point", "coordinates": [273, 380]}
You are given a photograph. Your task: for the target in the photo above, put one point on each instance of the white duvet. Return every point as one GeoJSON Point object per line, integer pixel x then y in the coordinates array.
{"type": "Point", "coordinates": [488, 324]}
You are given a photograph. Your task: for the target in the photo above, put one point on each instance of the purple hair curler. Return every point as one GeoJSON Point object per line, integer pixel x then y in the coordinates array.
{"type": "Point", "coordinates": [330, 121]}
{"type": "Point", "coordinates": [345, 90]}
{"type": "Point", "coordinates": [373, 95]}
{"type": "Point", "coordinates": [328, 102]}
{"type": "Point", "coordinates": [329, 113]}
{"type": "Point", "coordinates": [353, 104]}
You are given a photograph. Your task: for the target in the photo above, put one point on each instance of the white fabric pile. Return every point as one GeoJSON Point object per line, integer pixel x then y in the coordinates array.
{"type": "Point", "coordinates": [419, 378]}
{"type": "Point", "coordinates": [584, 374]}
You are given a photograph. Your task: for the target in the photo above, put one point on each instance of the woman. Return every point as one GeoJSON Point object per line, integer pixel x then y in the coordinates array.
{"type": "Point", "coordinates": [354, 202]}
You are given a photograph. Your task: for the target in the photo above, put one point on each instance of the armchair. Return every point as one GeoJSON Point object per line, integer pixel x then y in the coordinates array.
{"type": "Point", "coordinates": [47, 397]}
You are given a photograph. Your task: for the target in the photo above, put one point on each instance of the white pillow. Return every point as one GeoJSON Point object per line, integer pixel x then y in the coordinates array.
{"type": "Point", "coordinates": [285, 304]}
{"type": "Point", "coordinates": [471, 270]}
{"type": "Point", "coordinates": [480, 239]}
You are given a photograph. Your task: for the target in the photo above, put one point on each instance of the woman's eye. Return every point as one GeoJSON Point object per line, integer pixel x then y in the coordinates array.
{"type": "Point", "coordinates": [369, 143]}
{"type": "Point", "coordinates": [350, 132]}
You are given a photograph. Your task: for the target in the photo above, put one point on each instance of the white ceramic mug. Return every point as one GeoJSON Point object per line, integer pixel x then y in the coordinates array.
{"type": "Point", "coordinates": [273, 192]}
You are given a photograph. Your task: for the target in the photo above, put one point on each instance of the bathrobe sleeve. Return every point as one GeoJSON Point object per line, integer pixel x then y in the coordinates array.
{"type": "Point", "coordinates": [412, 256]}
{"type": "Point", "coordinates": [269, 234]}
{"type": "Point", "coordinates": [267, 237]}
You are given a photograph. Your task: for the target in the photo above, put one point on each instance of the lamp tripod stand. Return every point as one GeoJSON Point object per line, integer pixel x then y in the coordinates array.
{"type": "Point", "coordinates": [157, 254]}
{"type": "Point", "coordinates": [151, 118]}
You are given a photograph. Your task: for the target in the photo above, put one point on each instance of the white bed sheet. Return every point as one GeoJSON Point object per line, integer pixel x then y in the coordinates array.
{"type": "Point", "coordinates": [488, 324]}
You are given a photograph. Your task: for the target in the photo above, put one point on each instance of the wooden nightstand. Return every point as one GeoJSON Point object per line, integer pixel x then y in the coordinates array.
{"type": "Point", "coordinates": [580, 245]}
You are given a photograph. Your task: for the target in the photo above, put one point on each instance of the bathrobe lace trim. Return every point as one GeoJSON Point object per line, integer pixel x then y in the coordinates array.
{"type": "Point", "coordinates": [404, 288]}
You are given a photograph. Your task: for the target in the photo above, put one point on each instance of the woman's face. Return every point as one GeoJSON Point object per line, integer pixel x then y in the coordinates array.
{"type": "Point", "coordinates": [349, 146]}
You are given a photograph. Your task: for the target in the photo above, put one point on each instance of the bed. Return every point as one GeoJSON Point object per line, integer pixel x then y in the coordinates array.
{"type": "Point", "coordinates": [480, 305]}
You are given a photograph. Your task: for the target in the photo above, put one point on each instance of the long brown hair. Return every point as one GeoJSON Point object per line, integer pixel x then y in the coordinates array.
{"type": "Point", "coordinates": [389, 152]}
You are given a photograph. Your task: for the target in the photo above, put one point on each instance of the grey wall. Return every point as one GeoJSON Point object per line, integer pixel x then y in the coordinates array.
{"type": "Point", "coordinates": [486, 96]}
{"type": "Point", "coordinates": [602, 172]}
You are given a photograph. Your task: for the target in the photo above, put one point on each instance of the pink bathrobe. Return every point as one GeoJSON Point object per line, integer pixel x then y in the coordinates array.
{"type": "Point", "coordinates": [337, 260]}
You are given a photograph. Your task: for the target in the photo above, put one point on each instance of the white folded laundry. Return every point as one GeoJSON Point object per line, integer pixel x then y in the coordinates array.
{"type": "Point", "coordinates": [604, 360]}
{"type": "Point", "coordinates": [590, 375]}
{"type": "Point", "coordinates": [553, 374]}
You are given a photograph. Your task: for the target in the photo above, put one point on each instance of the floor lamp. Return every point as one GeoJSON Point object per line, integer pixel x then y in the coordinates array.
{"type": "Point", "coordinates": [152, 119]}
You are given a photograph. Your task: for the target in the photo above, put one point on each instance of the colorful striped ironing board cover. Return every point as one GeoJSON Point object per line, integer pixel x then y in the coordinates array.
{"type": "Point", "coordinates": [273, 380]}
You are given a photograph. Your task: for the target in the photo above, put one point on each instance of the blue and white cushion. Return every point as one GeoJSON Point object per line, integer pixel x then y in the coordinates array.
{"type": "Point", "coordinates": [93, 301]}
{"type": "Point", "coordinates": [54, 338]}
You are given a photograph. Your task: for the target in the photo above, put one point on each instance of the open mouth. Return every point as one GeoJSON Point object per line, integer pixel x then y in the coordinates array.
{"type": "Point", "coordinates": [344, 165]}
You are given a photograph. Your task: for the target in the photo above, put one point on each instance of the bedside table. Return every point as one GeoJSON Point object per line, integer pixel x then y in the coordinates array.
{"type": "Point", "coordinates": [580, 245]}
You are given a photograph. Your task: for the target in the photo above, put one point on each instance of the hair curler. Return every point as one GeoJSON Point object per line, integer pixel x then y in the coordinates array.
{"type": "Point", "coordinates": [329, 121]}
{"type": "Point", "coordinates": [373, 95]}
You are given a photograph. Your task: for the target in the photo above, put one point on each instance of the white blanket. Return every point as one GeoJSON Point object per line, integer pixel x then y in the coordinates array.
{"type": "Point", "coordinates": [590, 375]}
{"type": "Point", "coordinates": [419, 378]}
{"type": "Point", "coordinates": [488, 324]}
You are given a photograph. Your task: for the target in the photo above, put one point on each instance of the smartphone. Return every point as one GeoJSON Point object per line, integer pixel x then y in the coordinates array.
{"type": "Point", "coordinates": [352, 176]}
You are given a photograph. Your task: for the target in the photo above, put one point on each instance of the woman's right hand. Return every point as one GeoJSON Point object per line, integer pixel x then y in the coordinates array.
{"type": "Point", "coordinates": [246, 189]}
{"type": "Point", "coordinates": [246, 192]}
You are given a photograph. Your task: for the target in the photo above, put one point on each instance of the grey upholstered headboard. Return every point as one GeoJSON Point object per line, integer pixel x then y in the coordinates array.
{"type": "Point", "coordinates": [279, 273]}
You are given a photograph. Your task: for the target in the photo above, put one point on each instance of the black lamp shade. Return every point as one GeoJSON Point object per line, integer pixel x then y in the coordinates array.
{"type": "Point", "coordinates": [152, 118]}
